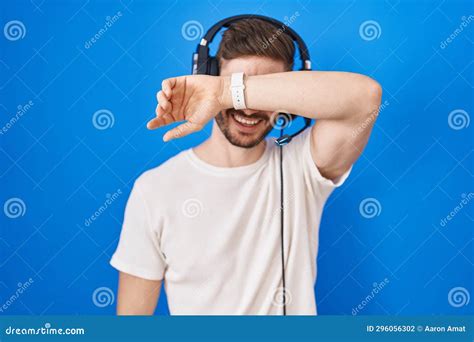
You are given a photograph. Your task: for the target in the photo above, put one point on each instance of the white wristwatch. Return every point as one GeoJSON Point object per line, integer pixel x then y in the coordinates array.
{"type": "Point", "coordinates": [237, 89]}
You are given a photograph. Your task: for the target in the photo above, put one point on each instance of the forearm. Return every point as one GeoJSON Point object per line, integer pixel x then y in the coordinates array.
{"type": "Point", "coordinates": [313, 94]}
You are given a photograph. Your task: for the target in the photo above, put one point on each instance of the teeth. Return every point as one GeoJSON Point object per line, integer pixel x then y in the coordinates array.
{"type": "Point", "coordinates": [246, 121]}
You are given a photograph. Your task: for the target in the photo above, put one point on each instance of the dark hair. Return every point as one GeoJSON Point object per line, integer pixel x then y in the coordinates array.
{"type": "Point", "coordinates": [255, 37]}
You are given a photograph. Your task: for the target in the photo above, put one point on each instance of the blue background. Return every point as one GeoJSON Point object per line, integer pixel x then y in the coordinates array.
{"type": "Point", "coordinates": [55, 160]}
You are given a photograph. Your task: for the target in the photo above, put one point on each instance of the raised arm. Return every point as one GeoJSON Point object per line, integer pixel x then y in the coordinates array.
{"type": "Point", "coordinates": [344, 104]}
{"type": "Point", "coordinates": [313, 94]}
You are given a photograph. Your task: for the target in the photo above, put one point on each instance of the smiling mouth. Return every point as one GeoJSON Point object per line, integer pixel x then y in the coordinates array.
{"type": "Point", "coordinates": [245, 120]}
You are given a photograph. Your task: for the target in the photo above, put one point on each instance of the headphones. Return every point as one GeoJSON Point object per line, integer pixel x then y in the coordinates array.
{"type": "Point", "coordinates": [205, 64]}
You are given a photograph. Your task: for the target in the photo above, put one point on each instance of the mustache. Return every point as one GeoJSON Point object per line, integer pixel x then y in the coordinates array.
{"type": "Point", "coordinates": [258, 115]}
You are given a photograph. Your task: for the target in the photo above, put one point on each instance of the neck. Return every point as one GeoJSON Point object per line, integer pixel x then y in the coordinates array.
{"type": "Point", "coordinates": [218, 151]}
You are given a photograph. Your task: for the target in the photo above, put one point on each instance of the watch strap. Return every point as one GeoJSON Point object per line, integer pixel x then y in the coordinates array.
{"type": "Point", "coordinates": [237, 89]}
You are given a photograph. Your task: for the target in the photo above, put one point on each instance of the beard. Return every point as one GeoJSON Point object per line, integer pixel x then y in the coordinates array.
{"type": "Point", "coordinates": [240, 135]}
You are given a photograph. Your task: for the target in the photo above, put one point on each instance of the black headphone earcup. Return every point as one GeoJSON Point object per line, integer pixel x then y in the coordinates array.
{"type": "Point", "coordinates": [213, 67]}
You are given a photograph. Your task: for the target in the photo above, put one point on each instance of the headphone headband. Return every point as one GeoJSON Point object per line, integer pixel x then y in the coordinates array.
{"type": "Point", "coordinates": [201, 58]}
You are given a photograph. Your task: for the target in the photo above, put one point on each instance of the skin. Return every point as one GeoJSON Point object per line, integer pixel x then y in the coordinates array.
{"type": "Point", "coordinates": [345, 106]}
{"type": "Point", "coordinates": [137, 296]}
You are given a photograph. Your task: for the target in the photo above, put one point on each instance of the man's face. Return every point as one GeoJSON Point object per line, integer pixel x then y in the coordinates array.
{"type": "Point", "coordinates": [246, 128]}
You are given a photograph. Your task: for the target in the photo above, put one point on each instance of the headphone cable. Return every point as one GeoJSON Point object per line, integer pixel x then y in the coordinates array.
{"type": "Point", "coordinates": [282, 230]}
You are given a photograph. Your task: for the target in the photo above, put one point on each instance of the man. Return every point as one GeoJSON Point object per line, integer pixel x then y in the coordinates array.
{"type": "Point", "coordinates": [207, 221]}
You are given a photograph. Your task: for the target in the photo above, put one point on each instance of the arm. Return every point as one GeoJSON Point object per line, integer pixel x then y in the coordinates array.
{"type": "Point", "coordinates": [341, 102]}
{"type": "Point", "coordinates": [137, 296]}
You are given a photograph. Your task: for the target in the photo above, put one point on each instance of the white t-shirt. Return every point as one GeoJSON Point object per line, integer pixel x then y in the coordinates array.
{"type": "Point", "coordinates": [213, 233]}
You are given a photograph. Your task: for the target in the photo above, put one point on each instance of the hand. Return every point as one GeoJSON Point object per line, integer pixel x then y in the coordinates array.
{"type": "Point", "coordinates": [195, 99]}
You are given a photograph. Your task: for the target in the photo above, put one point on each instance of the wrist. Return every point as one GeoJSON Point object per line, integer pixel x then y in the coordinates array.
{"type": "Point", "coordinates": [225, 98]}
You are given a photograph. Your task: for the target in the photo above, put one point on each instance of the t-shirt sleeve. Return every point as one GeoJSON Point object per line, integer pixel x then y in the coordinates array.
{"type": "Point", "coordinates": [138, 252]}
{"type": "Point", "coordinates": [311, 174]}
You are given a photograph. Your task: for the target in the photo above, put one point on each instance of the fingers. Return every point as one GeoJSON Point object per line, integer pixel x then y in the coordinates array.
{"type": "Point", "coordinates": [164, 97]}
{"type": "Point", "coordinates": [164, 102]}
{"type": "Point", "coordinates": [182, 130]}
{"type": "Point", "coordinates": [155, 123]}
{"type": "Point", "coordinates": [160, 121]}
{"type": "Point", "coordinates": [167, 85]}
{"type": "Point", "coordinates": [159, 111]}
{"type": "Point", "coordinates": [164, 107]}
{"type": "Point", "coordinates": [164, 113]}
